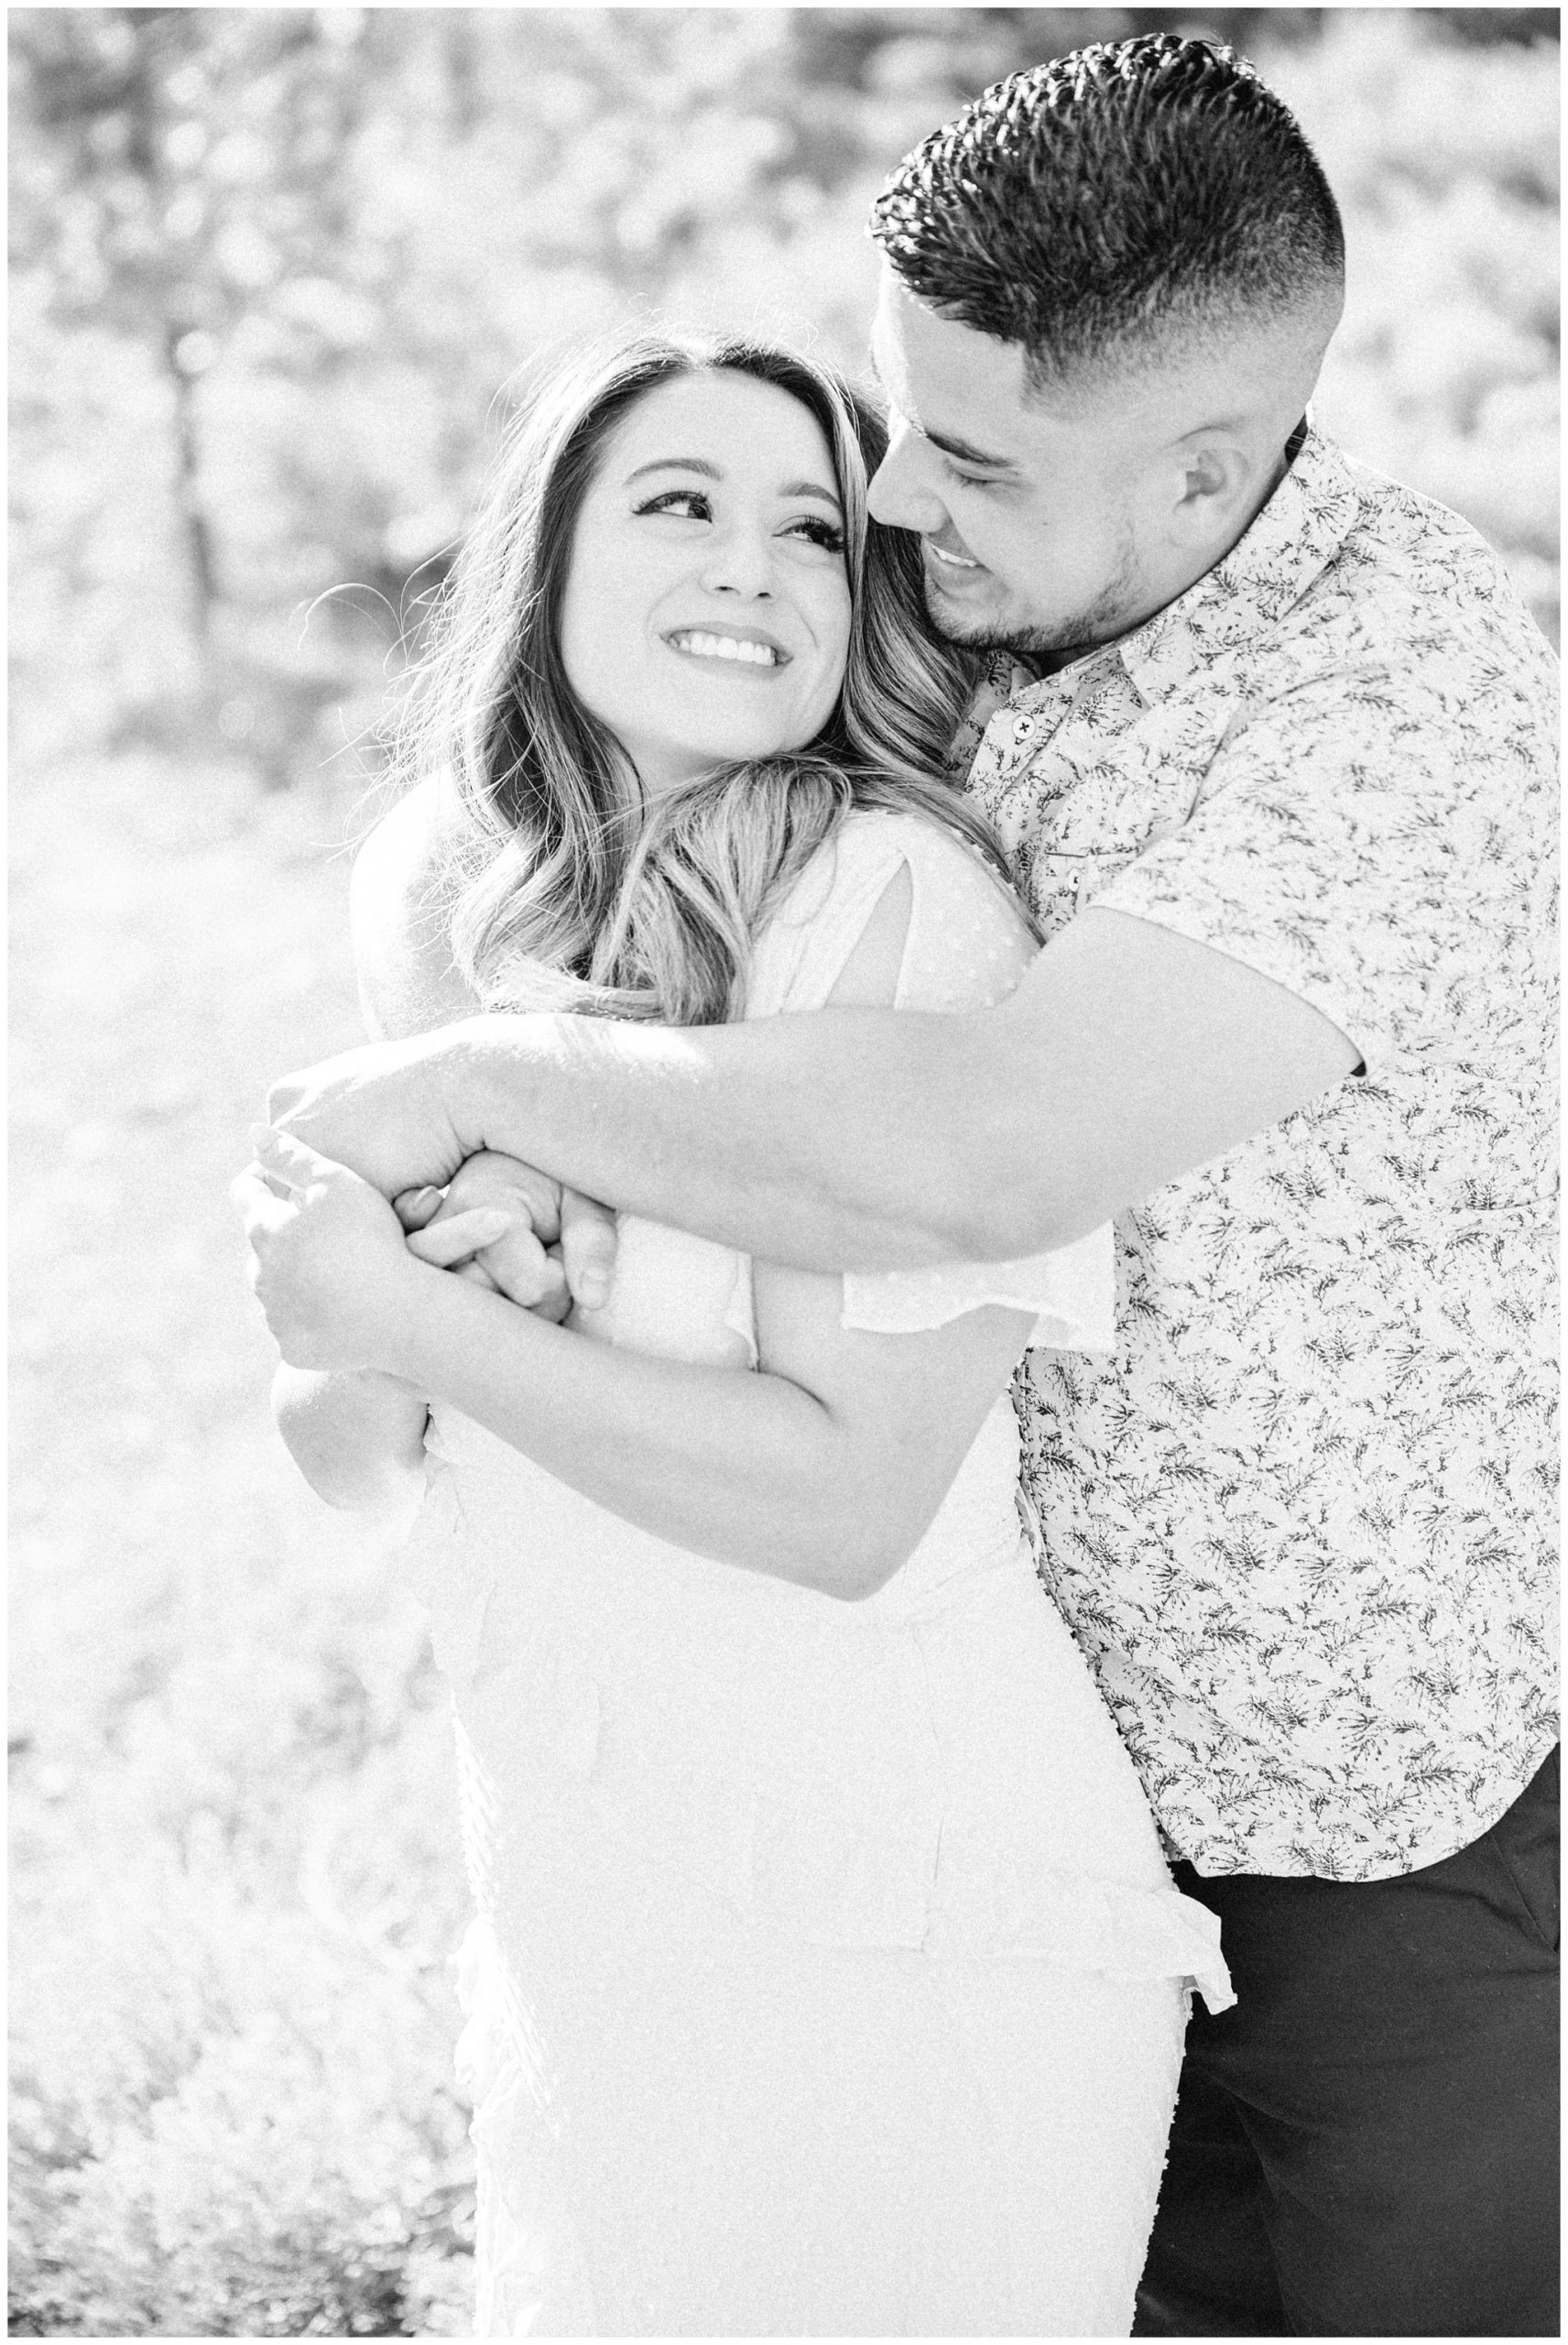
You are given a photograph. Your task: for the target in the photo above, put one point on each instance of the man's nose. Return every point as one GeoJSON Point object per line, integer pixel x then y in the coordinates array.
{"type": "Point", "coordinates": [901, 494]}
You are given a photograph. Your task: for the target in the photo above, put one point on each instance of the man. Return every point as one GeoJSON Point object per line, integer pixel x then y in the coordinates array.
{"type": "Point", "coordinates": [1280, 795]}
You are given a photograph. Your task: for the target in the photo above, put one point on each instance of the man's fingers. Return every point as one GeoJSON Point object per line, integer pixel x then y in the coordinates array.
{"type": "Point", "coordinates": [452, 1240]}
{"type": "Point", "coordinates": [554, 1300]}
{"type": "Point", "coordinates": [415, 1207]}
{"type": "Point", "coordinates": [533, 1192]}
{"type": "Point", "coordinates": [477, 1274]}
{"type": "Point", "coordinates": [525, 1274]}
{"type": "Point", "coordinates": [587, 1247]}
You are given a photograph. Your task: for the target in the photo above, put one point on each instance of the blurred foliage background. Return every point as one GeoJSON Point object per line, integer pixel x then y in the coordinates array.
{"type": "Point", "coordinates": [272, 266]}
{"type": "Point", "coordinates": [273, 271]}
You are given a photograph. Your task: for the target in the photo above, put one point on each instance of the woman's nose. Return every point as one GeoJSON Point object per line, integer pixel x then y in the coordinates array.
{"type": "Point", "coordinates": [739, 561]}
{"type": "Point", "coordinates": [901, 494]}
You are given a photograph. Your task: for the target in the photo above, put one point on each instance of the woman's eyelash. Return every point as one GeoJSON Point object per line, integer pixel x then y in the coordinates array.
{"type": "Point", "coordinates": [967, 480]}
{"type": "Point", "coordinates": [822, 533]}
{"type": "Point", "coordinates": [668, 496]}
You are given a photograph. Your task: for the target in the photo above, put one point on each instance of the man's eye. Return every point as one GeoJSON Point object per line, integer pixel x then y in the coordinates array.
{"type": "Point", "coordinates": [670, 499]}
{"type": "Point", "coordinates": [967, 480]}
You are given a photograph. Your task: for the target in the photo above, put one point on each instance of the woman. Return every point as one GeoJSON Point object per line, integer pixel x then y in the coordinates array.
{"type": "Point", "coordinates": [827, 1977]}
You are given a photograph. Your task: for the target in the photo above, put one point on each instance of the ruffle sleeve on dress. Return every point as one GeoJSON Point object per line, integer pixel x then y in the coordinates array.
{"type": "Point", "coordinates": [1030, 1912]}
{"type": "Point", "coordinates": [1071, 1291]}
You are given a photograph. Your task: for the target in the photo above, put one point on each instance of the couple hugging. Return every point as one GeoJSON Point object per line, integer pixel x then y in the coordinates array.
{"type": "Point", "coordinates": [1024, 899]}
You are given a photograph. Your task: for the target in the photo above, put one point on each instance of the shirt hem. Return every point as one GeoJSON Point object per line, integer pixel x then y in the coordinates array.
{"type": "Point", "coordinates": [1394, 1867]}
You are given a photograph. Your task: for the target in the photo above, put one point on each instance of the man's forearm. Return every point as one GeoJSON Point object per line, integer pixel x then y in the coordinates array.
{"type": "Point", "coordinates": [846, 1139]}
{"type": "Point", "coordinates": [861, 1139]}
{"type": "Point", "coordinates": [842, 1140]}
{"type": "Point", "coordinates": [879, 1140]}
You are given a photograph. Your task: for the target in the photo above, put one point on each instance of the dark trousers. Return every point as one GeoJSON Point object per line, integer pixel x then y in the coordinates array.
{"type": "Point", "coordinates": [1366, 2144]}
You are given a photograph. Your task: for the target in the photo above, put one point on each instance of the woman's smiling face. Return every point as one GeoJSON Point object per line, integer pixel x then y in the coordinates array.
{"type": "Point", "coordinates": [706, 614]}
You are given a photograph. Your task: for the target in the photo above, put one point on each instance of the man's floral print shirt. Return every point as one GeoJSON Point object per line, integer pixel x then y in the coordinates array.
{"type": "Point", "coordinates": [1299, 1519]}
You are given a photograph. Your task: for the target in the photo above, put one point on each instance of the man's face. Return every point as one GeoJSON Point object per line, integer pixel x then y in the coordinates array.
{"type": "Point", "coordinates": [1028, 510]}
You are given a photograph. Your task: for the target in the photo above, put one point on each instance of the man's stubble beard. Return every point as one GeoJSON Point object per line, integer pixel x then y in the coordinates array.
{"type": "Point", "coordinates": [1115, 611]}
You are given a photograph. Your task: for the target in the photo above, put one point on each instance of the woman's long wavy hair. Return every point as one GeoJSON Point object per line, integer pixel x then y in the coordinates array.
{"type": "Point", "coordinates": [568, 887]}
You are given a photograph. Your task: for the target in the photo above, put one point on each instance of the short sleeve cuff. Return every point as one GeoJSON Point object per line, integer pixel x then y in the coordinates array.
{"type": "Point", "coordinates": [1166, 895]}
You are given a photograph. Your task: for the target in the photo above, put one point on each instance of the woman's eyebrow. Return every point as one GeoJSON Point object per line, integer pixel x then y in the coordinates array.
{"type": "Point", "coordinates": [677, 464]}
{"type": "Point", "coordinates": [712, 471]}
{"type": "Point", "coordinates": [810, 488]}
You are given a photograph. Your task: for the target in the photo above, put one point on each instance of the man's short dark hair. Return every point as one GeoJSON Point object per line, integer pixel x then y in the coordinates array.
{"type": "Point", "coordinates": [1106, 199]}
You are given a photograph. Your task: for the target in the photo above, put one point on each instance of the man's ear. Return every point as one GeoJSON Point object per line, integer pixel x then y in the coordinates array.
{"type": "Point", "coordinates": [1215, 479]}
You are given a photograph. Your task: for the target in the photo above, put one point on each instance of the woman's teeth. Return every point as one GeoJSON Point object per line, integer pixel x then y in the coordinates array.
{"type": "Point", "coordinates": [950, 560]}
{"type": "Point", "coordinates": [726, 646]}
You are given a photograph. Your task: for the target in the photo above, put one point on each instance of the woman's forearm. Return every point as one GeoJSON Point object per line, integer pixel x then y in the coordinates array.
{"type": "Point", "coordinates": [747, 1468]}
{"type": "Point", "coordinates": [357, 1436]}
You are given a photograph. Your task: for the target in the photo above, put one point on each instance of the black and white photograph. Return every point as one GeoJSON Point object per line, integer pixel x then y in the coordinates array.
{"type": "Point", "coordinates": [783, 1031]}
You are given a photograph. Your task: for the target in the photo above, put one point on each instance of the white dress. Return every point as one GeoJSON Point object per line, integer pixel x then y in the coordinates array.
{"type": "Point", "coordinates": [827, 1978]}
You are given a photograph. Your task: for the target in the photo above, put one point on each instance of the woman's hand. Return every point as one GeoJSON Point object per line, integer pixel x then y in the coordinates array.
{"type": "Point", "coordinates": [329, 1265]}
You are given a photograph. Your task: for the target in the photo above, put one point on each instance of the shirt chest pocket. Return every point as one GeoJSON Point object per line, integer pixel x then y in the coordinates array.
{"type": "Point", "coordinates": [1118, 807]}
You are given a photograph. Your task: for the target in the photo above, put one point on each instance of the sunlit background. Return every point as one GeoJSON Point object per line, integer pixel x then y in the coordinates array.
{"type": "Point", "coordinates": [273, 270]}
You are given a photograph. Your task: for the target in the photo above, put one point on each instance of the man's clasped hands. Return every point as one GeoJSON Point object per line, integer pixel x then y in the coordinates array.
{"type": "Point", "coordinates": [328, 1250]}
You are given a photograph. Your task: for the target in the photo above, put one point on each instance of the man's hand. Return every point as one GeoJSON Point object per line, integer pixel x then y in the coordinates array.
{"type": "Point", "coordinates": [555, 1248]}
{"type": "Point", "coordinates": [383, 1110]}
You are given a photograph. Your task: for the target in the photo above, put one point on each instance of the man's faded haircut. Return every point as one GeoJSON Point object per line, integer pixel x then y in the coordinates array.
{"type": "Point", "coordinates": [1098, 208]}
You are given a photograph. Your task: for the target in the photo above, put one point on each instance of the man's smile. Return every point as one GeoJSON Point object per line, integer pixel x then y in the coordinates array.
{"type": "Point", "coordinates": [950, 568]}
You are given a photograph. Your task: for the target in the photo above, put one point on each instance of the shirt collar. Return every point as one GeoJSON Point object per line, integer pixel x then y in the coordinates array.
{"type": "Point", "coordinates": [1288, 544]}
